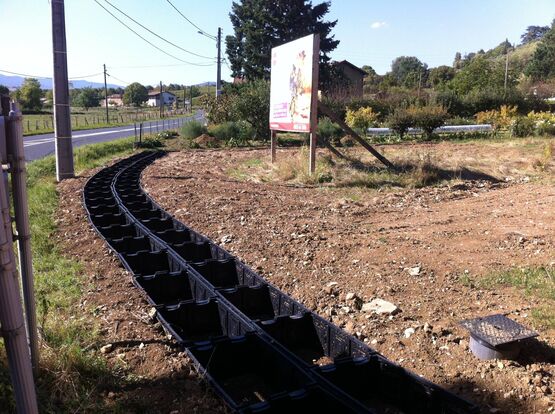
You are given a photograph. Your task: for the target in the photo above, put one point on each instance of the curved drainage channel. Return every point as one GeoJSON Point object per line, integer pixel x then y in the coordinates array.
{"type": "Point", "coordinates": [261, 350]}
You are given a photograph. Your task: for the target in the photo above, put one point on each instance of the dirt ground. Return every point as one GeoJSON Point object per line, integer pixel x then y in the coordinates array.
{"type": "Point", "coordinates": [370, 242]}
{"type": "Point", "coordinates": [154, 376]}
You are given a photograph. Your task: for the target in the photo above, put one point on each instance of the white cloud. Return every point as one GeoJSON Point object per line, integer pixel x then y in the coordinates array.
{"type": "Point", "coordinates": [378, 25]}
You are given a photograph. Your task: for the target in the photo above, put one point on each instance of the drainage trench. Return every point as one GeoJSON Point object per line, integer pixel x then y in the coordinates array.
{"type": "Point", "coordinates": [261, 350]}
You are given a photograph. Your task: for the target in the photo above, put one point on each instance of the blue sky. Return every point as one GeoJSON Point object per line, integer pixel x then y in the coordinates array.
{"type": "Point", "coordinates": [371, 32]}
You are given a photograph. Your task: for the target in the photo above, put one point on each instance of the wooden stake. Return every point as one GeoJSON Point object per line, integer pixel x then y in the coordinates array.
{"type": "Point", "coordinates": [273, 144]}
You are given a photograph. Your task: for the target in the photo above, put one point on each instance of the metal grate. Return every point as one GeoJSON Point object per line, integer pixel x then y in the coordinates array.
{"type": "Point", "coordinates": [497, 330]}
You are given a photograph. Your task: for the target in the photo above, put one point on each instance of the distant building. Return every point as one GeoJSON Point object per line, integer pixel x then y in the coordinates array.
{"type": "Point", "coordinates": [168, 98]}
{"type": "Point", "coordinates": [113, 100]}
{"type": "Point", "coordinates": [355, 77]}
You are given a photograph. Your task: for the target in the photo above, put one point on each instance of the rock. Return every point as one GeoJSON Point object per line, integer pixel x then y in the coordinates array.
{"type": "Point", "coordinates": [350, 296]}
{"type": "Point", "coordinates": [226, 239]}
{"type": "Point", "coordinates": [428, 328]}
{"type": "Point", "coordinates": [415, 271]}
{"type": "Point", "coordinates": [141, 345]}
{"type": "Point", "coordinates": [106, 349]}
{"type": "Point", "coordinates": [380, 306]}
{"type": "Point", "coordinates": [152, 313]}
{"type": "Point", "coordinates": [409, 332]}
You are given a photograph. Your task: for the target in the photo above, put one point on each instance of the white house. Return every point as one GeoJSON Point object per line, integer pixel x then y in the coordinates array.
{"type": "Point", "coordinates": [168, 98]}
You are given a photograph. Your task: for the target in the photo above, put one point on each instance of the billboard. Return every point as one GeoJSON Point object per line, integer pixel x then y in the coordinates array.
{"type": "Point", "coordinates": [294, 81]}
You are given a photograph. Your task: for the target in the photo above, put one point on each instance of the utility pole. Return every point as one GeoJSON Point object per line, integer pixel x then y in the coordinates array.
{"type": "Point", "coordinates": [62, 120]}
{"type": "Point", "coordinates": [506, 72]}
{"type": "Point", "coordinates": [191, 97]}
{"type": "Point", "coordinates": [106, 95]}
{"type": "Point", "coordinates": [219, 70]}
{"type": "Point", "coordinates": [161, 101]}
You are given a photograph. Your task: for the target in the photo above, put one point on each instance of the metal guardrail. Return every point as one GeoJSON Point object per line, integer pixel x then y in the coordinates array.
{"type": "Point", "coordinates": [443, 129]}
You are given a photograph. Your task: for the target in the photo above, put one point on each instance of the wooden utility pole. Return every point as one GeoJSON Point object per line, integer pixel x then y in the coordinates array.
{"type": "Point", "coordinates": [219, 69]}
{"type": "Point", "coordinates": [161, 101]}
{"type": "Point", "coordinates": [106, 96]}
{"type": "Point", "coordinates": [62, 116]}
{"type": "Point", "coordinates": [506, 72]}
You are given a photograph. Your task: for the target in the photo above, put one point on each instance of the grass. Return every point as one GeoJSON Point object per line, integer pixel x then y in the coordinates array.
{"type": "Point", "coordinates": [292, 168]}
{"type": "Point", "coordinates": [537, 282]}
{"type": "Point", "coordinates": [69, 375]}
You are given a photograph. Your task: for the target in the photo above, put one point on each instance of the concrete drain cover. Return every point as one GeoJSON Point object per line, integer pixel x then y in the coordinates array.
{"type": "Point", "coordinates": [496, 336]}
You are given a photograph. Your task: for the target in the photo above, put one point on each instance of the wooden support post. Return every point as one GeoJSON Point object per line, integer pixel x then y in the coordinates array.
{"type": "Point", "coordinates": [314, 104]}
{"type": "Point", "coordinates": [331, 115]}
{"type": "Point", "coordinates": [273, 144]}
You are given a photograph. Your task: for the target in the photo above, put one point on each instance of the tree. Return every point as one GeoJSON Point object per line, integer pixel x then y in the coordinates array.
{"type": "Point", "coordinates": [4, 90]}
{"type": "Point", "coordinates": [441, 75]}
{"type": "Point", "coordinates": [478, 75]}
{"type": "Point", "coordinates": [533, 33]}
{"type": "Point", "coordinates": [87, 98]}
{"type": "Point", "coordinates": [29, 95]}
{"type": "Point", "coordinates": [260, 25]}
{"type": "Point", "coordinates": [542, 65]}
{"type": "Point", "coordinates": [409, 71]}
{"type": "Point", "coordinates": [135, 94]}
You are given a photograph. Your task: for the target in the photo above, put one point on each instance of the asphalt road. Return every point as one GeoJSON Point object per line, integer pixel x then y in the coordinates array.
{"type": "Point", "coordinates": [39, 146]}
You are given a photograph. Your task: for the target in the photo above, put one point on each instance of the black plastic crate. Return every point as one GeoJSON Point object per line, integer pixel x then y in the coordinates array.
{"type": "Point", "coordinates": [148, 263]}
{"type": "Point", "coordinates": [174, 236]}
{"type": "Point", "coordinates": [158, 224]}
{"type": "Point", "coordinates": [133, 198]}
{"type": "Point", "coordinates": [147, 214]}
{"type": "Point", "coordinates": [385, 387]}
{"type": "Point", "coordinates": [248, 370]}
{"type": "Point", "coordinates": [138, 206]}
{"type": "Point", "coordinates": [165, 288]}
{"type": "Point", "coordinates": [219, 273]}
{"type": "Point", "coordinates": [192, 251]}
{"type": "Point", "coordinates": [131, 244]}
{"type": "Point", "coordinates": [106, 220]}
{"type": "Point", "coordinates": [103, 209]}
{"type": "Point", "coordinates": [118, 231]}
{"type": "Point", "coordinates": [313, 339]}
{"type": "Point", "coordinates": [194, 322]}
{"type": "Point", "coordinates": [254, 301]}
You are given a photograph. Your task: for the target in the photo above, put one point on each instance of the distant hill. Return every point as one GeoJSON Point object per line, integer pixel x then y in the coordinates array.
{"type": "Point", "coordinates": [206, 84]}
{"type": "Point", "coordinates": [17, 81]}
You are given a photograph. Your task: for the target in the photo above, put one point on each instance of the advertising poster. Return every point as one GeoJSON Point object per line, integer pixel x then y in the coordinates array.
{"type": "Point", "coordinates": [292, 85]}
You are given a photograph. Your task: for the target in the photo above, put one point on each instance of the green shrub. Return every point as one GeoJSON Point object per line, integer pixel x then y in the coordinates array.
{"type": "Point", "coordinates": [193, 129]}
{"type": "Point", "coordinates": [522, 126]}
{"type": "Point", "coordinates": [151, 142]}
{"type": "Point", "coordinates": [329, 131]}
{"type": "Point", "coordinates": [248, 102]}
{"type": "Point", "coordinates": [347, 141]}
{"type": "Point", "coordinates": [361, 119]}
{"type": "Point", "coordinates": [400, 121]}
{"type": "Point", "coordinates": [225, 131]}
{"type": "Point", "coordinates": [428, 118]}
{"type": "Point", "coordinates": [166, 135]}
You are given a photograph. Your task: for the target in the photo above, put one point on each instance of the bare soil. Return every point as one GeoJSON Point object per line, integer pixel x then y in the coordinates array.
{"type": "Point", "coordinates": [367, 241]}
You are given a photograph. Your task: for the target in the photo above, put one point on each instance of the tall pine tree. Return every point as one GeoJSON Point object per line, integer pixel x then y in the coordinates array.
{"type": "Point", "coordinates": [260, 25]}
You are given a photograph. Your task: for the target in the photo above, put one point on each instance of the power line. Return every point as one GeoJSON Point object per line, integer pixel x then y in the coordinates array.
{"type": "Point", "coordinates": [194, 25]}
{"type": "Point", "coordinates": [154, 66]}
{"type": "Point", "coordinates": [155, 34]}
{"type": "Point", "coordinates": [25, 74]}
{"type": "Point", "coordinates": [120, 80]}
{"type": "Point", "coordinates": [146, 40]}
{"type": "Point", "coordinates": [48, 77]}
